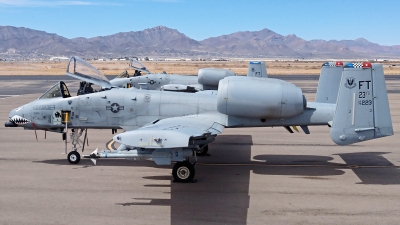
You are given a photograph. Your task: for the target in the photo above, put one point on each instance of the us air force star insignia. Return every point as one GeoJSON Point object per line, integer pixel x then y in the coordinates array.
{"type": "Point", "coordinates": [350, 83]}
{"type": "Point", "coordinates": [115, 107]}
{"type": "Point", "coordinates": [152, 82]}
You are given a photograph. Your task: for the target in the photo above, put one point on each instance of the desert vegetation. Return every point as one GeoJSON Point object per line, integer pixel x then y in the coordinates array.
{"type": "Point", "coordinates": [176, 67]}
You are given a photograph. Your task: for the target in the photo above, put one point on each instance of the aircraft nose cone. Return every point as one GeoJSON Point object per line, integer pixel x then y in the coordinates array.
{"type": "Point", "coordinates": [10, 124]}
{"type": "Point", "coordinates": [16, 119]}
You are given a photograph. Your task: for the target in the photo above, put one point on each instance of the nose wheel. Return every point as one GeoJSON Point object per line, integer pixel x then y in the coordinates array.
{"type": "Point", "coordinates": [74, 157]}
{"type": "Point", "coordinates": [183, 172]}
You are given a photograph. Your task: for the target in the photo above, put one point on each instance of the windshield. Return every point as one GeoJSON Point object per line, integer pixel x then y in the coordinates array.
{"type": "Point", "coordinates": [82, 70]}
{"type": "Point", "coordinates": [57, 91]}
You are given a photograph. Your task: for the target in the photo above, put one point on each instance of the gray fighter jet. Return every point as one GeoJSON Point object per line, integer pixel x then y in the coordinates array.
{"type": "Point", "coordinates": [171, 126]}
{"type": "Point", "coordinates": [207, 79]}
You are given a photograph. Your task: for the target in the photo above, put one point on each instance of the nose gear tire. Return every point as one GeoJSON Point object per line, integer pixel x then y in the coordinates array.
{"type": "Point", "coordinates": [74, 157]}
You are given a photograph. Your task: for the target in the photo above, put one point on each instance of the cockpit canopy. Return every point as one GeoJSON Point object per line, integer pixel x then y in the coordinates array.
{"type": "Point", "coordinates": [136, 65]}
{"type": "Point", "coordinates": [82, 70]}
{"type": "Point", "coordinates": [57, 91]}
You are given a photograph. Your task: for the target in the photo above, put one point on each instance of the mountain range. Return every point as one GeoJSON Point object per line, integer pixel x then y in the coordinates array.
{"type": "Point", "coordinates": [162, 41]}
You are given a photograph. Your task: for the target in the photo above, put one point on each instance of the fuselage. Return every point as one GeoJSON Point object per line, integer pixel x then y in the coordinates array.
{"type": "Point", "coordinates": [132, 108]}
{"type": "Point", "coordinates": [155, 81]}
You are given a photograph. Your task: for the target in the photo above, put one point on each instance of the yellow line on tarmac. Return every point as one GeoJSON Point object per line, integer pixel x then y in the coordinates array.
{"type": "Point", "coordinates": [344, 166]}
{"type": "Point", "coordinates": [110, 145]}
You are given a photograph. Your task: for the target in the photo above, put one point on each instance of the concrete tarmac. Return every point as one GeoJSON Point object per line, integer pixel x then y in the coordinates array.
{"type": "Point", "coordinates": [253, 176]}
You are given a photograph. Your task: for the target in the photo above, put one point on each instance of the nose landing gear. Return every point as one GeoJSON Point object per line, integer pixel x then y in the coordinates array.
{"type": "Point", "coordinates": [74, 157]}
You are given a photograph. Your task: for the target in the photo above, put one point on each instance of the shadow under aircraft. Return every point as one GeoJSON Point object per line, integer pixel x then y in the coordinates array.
{"type": "Point", "coordinates": [221, 194]}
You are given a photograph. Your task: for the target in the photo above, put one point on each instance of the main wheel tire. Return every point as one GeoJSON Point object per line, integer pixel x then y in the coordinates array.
{"type": "Point", "coordinates": [74, 157]}
{"type": "Point", "coordinates": [183, 172]}
{"type": "Point", "coordinates": [203, 151]}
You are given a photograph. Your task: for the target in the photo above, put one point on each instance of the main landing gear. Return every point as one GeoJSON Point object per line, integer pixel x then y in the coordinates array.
{"type": "Point", "coordinates": [183, 172]}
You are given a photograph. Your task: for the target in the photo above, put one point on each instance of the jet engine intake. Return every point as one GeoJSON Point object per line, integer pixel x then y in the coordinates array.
{"type": "Point", "coordinates": [263, 98]}
{"type": "Point", "coordinates": [211, 76]}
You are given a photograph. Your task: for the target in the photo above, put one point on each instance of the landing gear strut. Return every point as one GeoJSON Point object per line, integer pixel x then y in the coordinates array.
{"type": "Point", "coordinates": [183, 171]}
{"type": "Point", "coordinates": [76, 140]}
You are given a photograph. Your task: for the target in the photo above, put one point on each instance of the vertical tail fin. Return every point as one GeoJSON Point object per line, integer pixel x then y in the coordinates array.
{"type": "Point", "coordinates": [257, 69]}
{"type": "Point", "coordinates": [329, 81]}
{"type": "Point", "coordinates": [362, 108]}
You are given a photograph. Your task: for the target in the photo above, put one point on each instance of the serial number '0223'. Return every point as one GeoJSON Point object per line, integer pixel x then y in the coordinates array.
{"type": "Point", "coordinates": [365, 102]}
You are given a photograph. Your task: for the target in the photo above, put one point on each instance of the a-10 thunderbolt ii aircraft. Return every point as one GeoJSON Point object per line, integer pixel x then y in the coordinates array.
{"type": "Point", "coordinates": [207, 79]}
{"type": "Point", "coordinates": [171, 126]}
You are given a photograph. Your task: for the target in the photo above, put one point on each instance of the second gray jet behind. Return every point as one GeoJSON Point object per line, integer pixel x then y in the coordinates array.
{"type": "Point", "coordinates": [207, 79]}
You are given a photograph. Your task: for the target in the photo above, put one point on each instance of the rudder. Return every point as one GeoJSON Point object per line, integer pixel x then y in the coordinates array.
{"type": "Point", "coordinates": [362, 108]}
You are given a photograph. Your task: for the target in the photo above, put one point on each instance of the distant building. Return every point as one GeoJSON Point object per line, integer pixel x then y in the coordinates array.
{"type": "Point", "coordinates": [11, 51]}
{"type": "Point", "coordinates": [59, 58]}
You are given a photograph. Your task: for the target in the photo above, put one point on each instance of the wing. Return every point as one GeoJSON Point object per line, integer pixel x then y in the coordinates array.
{"type": "Point", "coordinates": [176, 132]}
{"type": "Point", "coordinates": [182, 87]}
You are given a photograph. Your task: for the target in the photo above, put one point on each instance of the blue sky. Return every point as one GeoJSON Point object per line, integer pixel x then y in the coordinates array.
{"type": "Point", "coordinates": [377, 21]}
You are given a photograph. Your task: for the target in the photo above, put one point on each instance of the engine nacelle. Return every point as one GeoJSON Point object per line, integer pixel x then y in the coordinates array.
{"type": "Point", "coordinates": [263, 98]}
{"type": "Point", "coordinates": [211, 76]}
